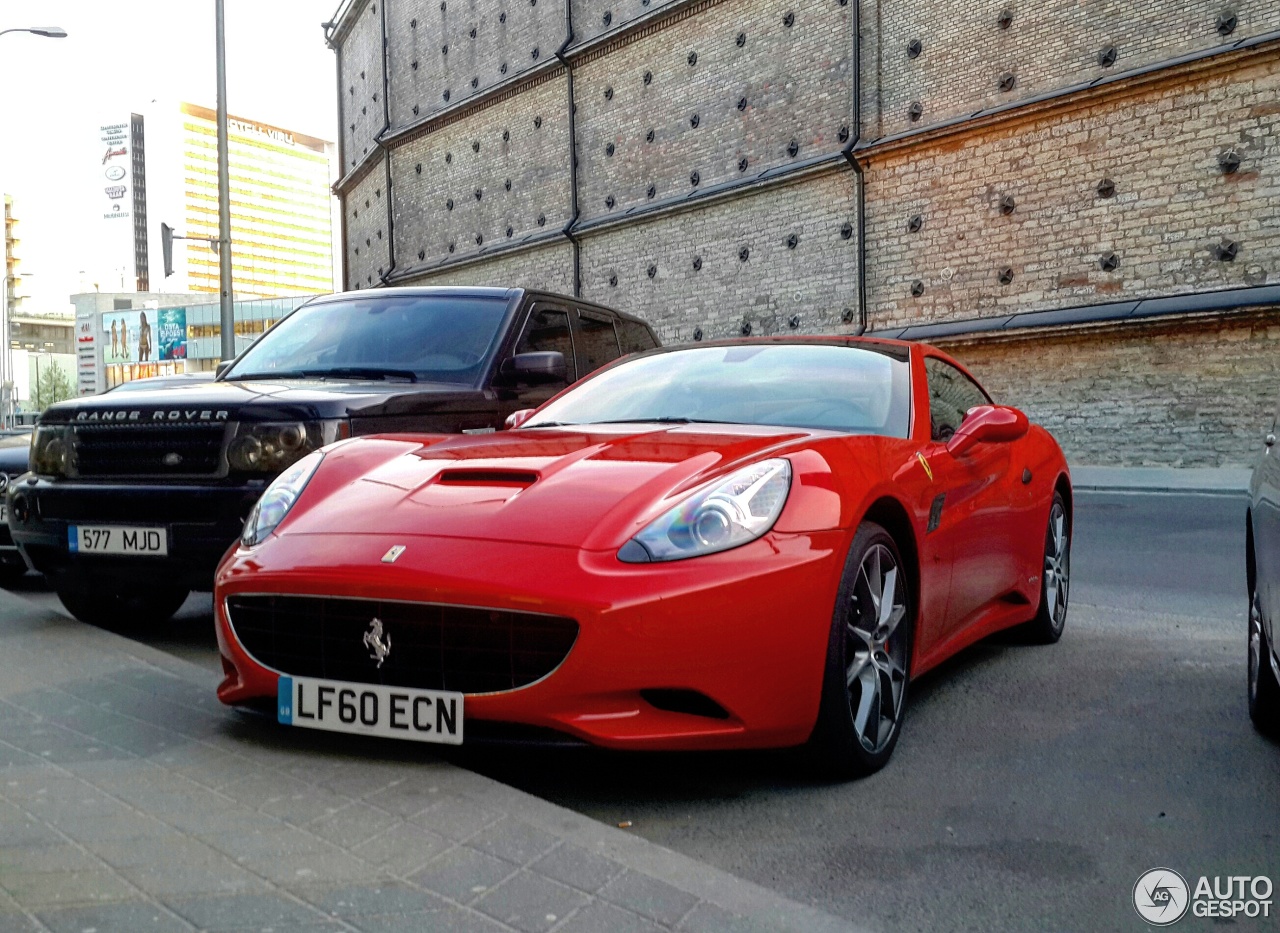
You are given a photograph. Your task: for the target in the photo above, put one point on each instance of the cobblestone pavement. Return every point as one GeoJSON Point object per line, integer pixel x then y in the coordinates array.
{"type": "Point", "coordinates": [131, 800]}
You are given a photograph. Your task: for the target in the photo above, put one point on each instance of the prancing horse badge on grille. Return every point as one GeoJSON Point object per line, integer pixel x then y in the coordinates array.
{"type": "Point", "coordinates": [375, 642]}
{"type": "Point", "coordinates": [391, 555]}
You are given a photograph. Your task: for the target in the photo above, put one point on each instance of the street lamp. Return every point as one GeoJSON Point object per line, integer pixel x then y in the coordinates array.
{"type": "Point", "coordinates": [49, 32]}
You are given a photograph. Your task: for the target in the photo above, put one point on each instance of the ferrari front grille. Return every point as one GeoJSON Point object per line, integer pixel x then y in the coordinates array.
{"type": "Point", "coordinates": [420, 645]}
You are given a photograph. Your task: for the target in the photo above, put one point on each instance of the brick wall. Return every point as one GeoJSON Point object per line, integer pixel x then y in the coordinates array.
{"type": "Point", "coordinates": [793, 83]}
{"type": "Point", "coordinates": [368, 240]}
{"type": "Point", "coordinates": [360, 102]}
{"type": "Point", "coordinates": [593, 18]}
{"type": "Point", "coordinates": [441, 53]}
{"type": "Point", "coordinates": [1048, 44]}
{"type": "Point", "coordinates": [1172, 206]}
{"type": "Point", "coordinates": [513, 153]}
{"type": "Point", "coordinates": [817, 279]}
{"type": "Point", "coordinates": [1186, 394]}
{"type": "Point", "coordinates": [548, 267]}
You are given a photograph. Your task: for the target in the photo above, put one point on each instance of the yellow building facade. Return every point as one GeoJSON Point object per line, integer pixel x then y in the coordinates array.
{"type": "Point", "coordinates": [281, 226]}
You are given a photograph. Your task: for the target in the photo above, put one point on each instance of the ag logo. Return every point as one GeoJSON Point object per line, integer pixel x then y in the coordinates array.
{"type": "Point", "coordinates": [1161, 896]}
{"type": "Point", "coordinates": [115, 172]}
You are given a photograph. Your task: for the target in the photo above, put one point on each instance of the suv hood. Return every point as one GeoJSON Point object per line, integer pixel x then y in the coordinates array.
{"type": "Point", "coordinates": [262, 400]}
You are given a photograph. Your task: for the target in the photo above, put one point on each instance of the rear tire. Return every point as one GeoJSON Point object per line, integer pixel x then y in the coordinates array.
{"type": "Point", "coordinates": [1264, 691]}
{"type": "Point", "coordinates": [111, 608]}
{"type": "Point", "coordinates": [1055, 580]}
{"type": "Point", "coordinates": [864, 687]}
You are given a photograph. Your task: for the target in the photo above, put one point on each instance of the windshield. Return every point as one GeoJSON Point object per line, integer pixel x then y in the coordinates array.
{"type": "Point", "coordinates": [860, 390]}
{"type": "Point", "coordinates": [414, 338]}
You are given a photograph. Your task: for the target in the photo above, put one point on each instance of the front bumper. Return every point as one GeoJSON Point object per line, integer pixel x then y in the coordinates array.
{"type": "Point", "coordinates": [202, 522]}
{"type": "Point", "coordinates": [747, 629]}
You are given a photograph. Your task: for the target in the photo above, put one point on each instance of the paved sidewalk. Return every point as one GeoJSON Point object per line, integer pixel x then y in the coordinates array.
{"type": "Point", "coordinates": [131, 800]}
{"type": "Point", "coordinates": [1224, 481]}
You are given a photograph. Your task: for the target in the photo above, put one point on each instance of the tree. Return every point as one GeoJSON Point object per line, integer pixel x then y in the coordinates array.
{"type": "Point", "coordinates": [50, 383]}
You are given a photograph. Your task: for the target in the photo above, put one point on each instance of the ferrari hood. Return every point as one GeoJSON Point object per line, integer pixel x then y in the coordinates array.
{"type": "Point", "coordinates": [590, 489]}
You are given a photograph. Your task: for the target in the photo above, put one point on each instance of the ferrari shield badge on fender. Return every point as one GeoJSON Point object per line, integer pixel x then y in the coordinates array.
{"type": "Point", "coordinates": [376, 643]}
{"type": "Point", "coordinates": [392, 554]}
{"type": "Point", "coordinates": [928, 470]}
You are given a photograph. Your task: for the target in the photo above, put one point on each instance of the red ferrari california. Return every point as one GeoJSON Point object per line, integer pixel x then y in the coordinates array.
{"type": "Point", "coordinates": [745, 544]}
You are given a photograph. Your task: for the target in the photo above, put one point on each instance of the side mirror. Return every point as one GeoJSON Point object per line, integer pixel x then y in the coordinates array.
{"type": "Point", "coordinates": [987, 424]}
{"type": "Point", "coordinates": [223, 367]}
{"type": "Point", "coordinates": [539, 366]}
{"type": "Point", "coordinates": [517, 418]}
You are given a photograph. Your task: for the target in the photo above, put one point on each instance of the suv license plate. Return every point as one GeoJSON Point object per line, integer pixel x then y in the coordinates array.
{"type": "Point", "coordinates": [118, 539]}
{"type": "Point", "coordinates": [370, 709]}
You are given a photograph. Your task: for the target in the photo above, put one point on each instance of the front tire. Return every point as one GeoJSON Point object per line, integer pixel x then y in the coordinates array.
{"type": "Point", "coordinates": [1055, 581]}
{"type": "Point", "coordinates": [113, 608]}
{"type": "Point", "coordinates": [864, 689]}
{"type": "Point", "coordinates": [1264, 691]}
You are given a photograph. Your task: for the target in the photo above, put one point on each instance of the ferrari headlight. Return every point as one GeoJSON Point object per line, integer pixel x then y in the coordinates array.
{"type": "Point", "coordinates": [279, 498]}
{"type": "Point", "coordinates": [731, 513]}
{"type": "Point", "coordinates": [270, 447]}
{"type": "Point", "coordinates": [52, 450]}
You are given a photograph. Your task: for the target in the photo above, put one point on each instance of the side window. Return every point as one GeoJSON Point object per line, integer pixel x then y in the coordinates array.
{"type": "Point", "coordinates": [599, 344]}
{"type": "Point", "coordinates": [548, 329]}
{"type": "Point", "coordinates": [951, 394]}
{"type": "Point", "coordinates": [634, 337]}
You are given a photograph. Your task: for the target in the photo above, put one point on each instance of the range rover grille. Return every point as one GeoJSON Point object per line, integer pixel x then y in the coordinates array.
{"type": "Point", "coordinates": [431, 646]}
{"type": "Point", "coordinates": [122, 449]}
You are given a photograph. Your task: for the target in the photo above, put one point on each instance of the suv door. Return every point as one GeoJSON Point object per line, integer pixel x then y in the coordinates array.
{"type": "Point", "coordinates": [547, 327]}
{"type": "Point", "coordinates": [597, 340]}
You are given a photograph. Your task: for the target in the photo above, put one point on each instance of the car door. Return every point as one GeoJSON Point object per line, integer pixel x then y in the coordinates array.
{"type": "Point", "coordinates": [596, 340]}
{"type": "Point", "coordinates": [969, 511]}
{"type": "Point", "coordinates": [1266, 528]}
{"type": "Point", "coordinates": [547, 327]}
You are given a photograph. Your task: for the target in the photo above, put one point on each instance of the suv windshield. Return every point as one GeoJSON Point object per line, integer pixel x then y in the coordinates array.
{"type": "Point", "coordinates": [416, 338]}
{"type": "Point", "coordinates": [862, 390]}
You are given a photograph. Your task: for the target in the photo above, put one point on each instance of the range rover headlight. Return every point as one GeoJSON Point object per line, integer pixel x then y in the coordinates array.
{"type": "Point", "coordinates": [52, 450]}
{"type": "Point", "coordinates": [279, 498]}
{"type": "Point", "coordinates": [731, 513]}
{"type": "Point", "coordinates": [272, 446]}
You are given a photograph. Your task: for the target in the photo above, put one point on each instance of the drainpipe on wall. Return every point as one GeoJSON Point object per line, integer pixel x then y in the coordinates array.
{"type": "Point", "coordinates": [573, 155]}
{"type": "Point", "coordinates": [329, 30]}
{"type": "Point", "coordinates": [386, 153]}
{"type": "Point", "coordinates": [848, 153]}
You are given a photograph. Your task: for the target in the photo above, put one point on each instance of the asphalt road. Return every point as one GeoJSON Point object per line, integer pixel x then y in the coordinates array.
{"type": "Point", "coordinates": [1032, 785]}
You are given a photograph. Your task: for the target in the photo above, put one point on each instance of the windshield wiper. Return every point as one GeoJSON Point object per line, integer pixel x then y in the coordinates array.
{"type": "Point", "coordinates": [338, 372]}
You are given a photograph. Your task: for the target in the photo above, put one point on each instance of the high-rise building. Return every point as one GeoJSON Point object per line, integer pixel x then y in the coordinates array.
{"type": "Point", "coordinates": [281, 232]}
{"type": "Point", "coordinates": [281, 204]}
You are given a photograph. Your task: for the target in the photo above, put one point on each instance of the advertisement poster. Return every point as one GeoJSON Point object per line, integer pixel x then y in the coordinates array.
{"type": "Point", "coordinates": [113, 149]}
{"type": "Point", "coordinates": [144, 336]}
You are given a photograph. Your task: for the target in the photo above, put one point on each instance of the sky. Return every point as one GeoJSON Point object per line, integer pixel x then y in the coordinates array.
{"type": "Point", "coordinates": [118, 57]}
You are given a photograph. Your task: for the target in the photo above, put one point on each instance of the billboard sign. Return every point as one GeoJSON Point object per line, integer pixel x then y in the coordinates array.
{"type": "Point", "coordinates": [144, 336]}
{"type": "Point", "coordinates": [113, 147]}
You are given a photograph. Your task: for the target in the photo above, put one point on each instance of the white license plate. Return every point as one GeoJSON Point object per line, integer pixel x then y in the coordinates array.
{"type": "Point", "coordinates": [118, 539]}
{"type": "Point", "coordinates": [367, 709]}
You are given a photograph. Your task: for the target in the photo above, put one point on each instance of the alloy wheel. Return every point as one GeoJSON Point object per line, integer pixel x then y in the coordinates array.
{"type": "Point", "coordinates": [1255, 647]}
{"type": "Point", "coordinates": [1057, 566]}
{"type": "Point", "coordinates": [876, 649]}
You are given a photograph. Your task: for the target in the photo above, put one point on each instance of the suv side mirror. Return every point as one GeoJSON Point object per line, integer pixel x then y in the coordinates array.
{"type": "Point", "coordinates": [223, 367]}
{"type": "Point", "coordinates": [987, 424]}
{"type": "Point", "coordinates": [539, 366]}
{"type": "Point", "coordinates": [517, 418]}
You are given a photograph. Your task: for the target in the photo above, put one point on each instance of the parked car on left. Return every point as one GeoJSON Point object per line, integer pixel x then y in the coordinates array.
{"type": "Point", "coordinates": [134, 496]}
{"type": "Point", "coordinates": [14, 450]}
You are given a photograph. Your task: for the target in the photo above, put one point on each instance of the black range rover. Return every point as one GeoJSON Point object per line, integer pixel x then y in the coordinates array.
{"type": "Point", "coordinates": [134, 497]}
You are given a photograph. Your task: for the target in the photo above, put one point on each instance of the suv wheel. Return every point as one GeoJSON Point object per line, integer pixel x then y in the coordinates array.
{"type": "Point", "coordinates": [114, 608]}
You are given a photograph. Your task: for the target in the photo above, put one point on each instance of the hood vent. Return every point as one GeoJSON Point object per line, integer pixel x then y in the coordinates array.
{"type": "Point", "coordinates": [521, 478]}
